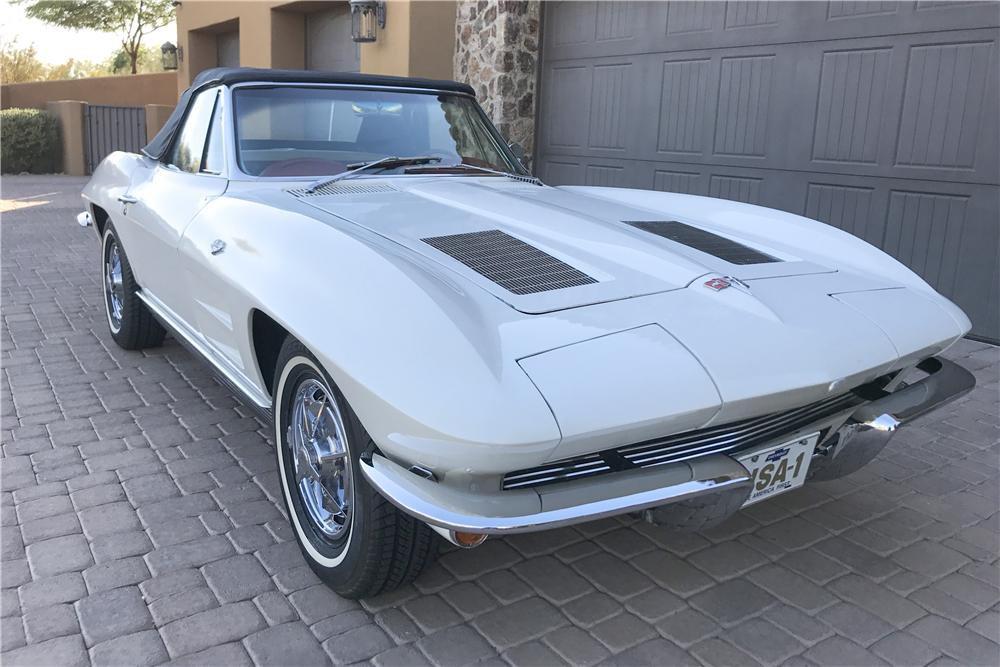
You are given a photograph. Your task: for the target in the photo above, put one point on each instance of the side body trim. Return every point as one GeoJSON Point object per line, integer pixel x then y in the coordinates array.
{"type": "Point", "coordinates": [231, 377]}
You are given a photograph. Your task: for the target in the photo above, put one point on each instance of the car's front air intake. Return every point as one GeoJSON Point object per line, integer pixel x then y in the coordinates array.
{"type": "Point", "coordinates": [724, 439]}
{"type": "Point", "coordinates": [509, 262]}
{"type": "Point", "coordinates": [693, 237]}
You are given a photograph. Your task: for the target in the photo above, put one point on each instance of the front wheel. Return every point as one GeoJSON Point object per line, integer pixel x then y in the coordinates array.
{"type": "Point", "coordinates": [131, 324]}
{"type": "Point", "coordinates": [355, 540]}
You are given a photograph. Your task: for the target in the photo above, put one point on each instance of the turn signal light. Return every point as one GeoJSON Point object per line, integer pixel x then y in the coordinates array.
{"type": "Point", "coordinates": [468, 540]}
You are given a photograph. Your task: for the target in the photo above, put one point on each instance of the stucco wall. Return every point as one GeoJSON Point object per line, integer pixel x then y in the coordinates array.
{"type": "Point", "coordinates": [496, 52]}
{"type": "Point", "coordinates": [199, 21]}
{"type": "Point", "coordinates": [418, 39]}
{"type": "Point", "coordinates": [432, 38]}
{"type": "Point", "coordinates": [127, 91]}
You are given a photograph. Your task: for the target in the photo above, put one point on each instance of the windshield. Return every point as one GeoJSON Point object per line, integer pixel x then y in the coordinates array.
{"type": "Point", "coordinates": [292, 131]}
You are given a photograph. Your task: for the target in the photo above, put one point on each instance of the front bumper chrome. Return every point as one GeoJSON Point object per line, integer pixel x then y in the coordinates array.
{"type": "Point", "coordinates": [529, 510]}
{"type": "Point", "coordinates": [874, 424]}
{"type": "Point", "coordinates": [945, 381]}
{"type": "Point", "coordinates": [539, 508]}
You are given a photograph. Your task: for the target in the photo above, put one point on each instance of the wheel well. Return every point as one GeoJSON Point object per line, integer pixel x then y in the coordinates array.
{"type": "Point", "coordinates": [100, 218]}
{"type": "Point", "coordinates": [268, 336]}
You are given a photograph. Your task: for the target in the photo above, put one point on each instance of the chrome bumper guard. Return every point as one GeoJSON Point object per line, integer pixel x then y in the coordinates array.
{"type": "Point", "coordinates": [873, 424]}
{"type": "Point", "coordinates": [528, 510]}
{"type": "Point", "coordinates": [532, 509]}
{"type": "Point", "coordinates": [886, 411]}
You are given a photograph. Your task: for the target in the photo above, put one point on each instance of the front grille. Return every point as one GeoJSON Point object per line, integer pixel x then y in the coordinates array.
{"type": "Point", "coordinates": [509, 262]}
{"type": "Point", "coordinates": [725, 249]}
{"type": "Point", "coordinates": [725, 439]}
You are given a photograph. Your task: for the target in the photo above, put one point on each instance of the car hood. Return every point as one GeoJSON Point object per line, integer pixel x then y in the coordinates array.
{"type": "Point", "coordinates": [586, 234]}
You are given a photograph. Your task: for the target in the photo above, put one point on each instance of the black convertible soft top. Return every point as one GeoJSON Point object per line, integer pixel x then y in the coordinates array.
{"type": "Point", "coordinates": [229, 75]}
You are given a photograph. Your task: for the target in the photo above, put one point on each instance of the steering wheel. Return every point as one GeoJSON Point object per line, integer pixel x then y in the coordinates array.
{"type": "Point", "coordinates": [304, 166]}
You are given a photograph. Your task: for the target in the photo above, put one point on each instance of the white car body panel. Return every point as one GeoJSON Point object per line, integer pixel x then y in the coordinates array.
{"type": "Point", "coordinates": [634, 370]}
{"type": "Point", "coordinates": [161, 216]}
{"type": "Point", "coordinates": [451, 372]}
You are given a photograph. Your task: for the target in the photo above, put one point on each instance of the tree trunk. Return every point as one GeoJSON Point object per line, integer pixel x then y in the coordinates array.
{"type": "Point", "coordinates": [133, 56]}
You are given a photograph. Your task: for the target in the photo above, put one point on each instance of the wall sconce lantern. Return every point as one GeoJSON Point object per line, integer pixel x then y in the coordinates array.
{"type": "Point", "coordinates": [366, 15]}
{"type": "Point", "coordinates": [168, 52]}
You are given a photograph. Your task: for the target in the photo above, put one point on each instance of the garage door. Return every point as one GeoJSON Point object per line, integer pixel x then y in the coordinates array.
{"type": "Point", "coordinates": [227, 49]}
{"type": "Point", "coordinates": [880, 118]}
{"type": "Point", "coordinates": [328, 41]}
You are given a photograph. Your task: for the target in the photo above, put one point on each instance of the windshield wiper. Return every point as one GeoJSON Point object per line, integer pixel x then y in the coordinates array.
{"type": "Point", "coordinates": [487, 170]}
{"type": "Point", "coordinates": [387, 162]}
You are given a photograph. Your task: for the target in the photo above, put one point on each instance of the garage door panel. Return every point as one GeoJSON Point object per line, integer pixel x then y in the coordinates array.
{"type": "Point", "coordinates": [566, 93]}
{"type": "Point", "coordinates": [614, 86]}
{"type": "Point", "coordinates": [745, 94]}
{"type": "Point", "coordinates": [849, 106]}
{"type": "Point", "coordinates": [746, 189]}
{"type": "Point", "coordinates": [606, 175]}
{"type": "Point", "coordinates": [688, 18]}
{"type": "Point", "coordinates": [615, 26]}
{"type": "Point", "coordinates": [718, 107]}
{"type": "Point", "coordinates": [598, 107]}
{"type": "Point", "coordinates": [924, 230]}
{"type": "Point", "coordinates": [562, 171]}
{"type": "Point", "coordinates": [618, 20]}
{"type": "Point", "coordinates": [687, 93]}
{"type": "Point", "coordinates": [849, 9]}
{"type": "Point", "coordinates": [681, 25]}
{"type": "Point", "coordinates": [571, 23]}
{"type": "Point", "coordinates": [855, 209]}
{"type": "Point", "coordinates": [600, 172]}
{"type": "Point", "coordinates": [571, 28]}
{"type": "Point", "coordinates": [942, 114]}
{"type": "Point", "coordinates": [879, 118]}
{"type": "Point", "coordinates": [678, 180]}
{"type": "Point", "coordinates": [866, 106]}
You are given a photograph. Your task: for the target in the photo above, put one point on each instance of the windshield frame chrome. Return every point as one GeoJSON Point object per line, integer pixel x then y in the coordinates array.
{"type": "Point", "coordinates": [236, 172]}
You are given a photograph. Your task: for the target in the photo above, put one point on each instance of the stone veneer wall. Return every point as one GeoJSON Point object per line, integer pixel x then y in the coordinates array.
{"type": "Point", "coordinates": [496, 52]}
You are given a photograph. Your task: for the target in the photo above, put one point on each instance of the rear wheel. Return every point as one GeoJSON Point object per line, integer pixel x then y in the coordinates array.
{"type": "Point", "coordinates": [131, 324]}
{"type": "Point", "coordinates": [354, 539]}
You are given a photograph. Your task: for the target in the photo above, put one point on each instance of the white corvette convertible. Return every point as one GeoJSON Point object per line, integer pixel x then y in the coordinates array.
{"type": "Point", "coordinates": [446, 345]}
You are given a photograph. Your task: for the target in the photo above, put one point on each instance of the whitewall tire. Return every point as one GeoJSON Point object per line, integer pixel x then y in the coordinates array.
{"type": "Point", "coordinates": [131, 324]}
{"type": "Point", "coordinates": [357, 542]}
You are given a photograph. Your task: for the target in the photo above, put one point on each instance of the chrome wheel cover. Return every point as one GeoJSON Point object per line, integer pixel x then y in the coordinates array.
{"type": "Point", "coordinates": [114, 289]}
{"type": "Point", "coordinates": [320, 459]}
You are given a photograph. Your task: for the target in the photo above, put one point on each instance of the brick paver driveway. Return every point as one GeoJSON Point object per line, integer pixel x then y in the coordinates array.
{"type": "Point", "coordinates": [141, 524]}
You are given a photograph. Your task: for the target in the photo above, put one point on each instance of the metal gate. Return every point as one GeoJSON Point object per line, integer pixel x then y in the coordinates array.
{"type": "Point", "coordinates": [880, 118]}
{"type": "Point", "coordinates": [110, 129]}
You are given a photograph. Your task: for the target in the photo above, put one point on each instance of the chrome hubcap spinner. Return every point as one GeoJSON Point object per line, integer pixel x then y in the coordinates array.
{"type": "Point", "coordinates": [113, 285]}
{"type": "Point", "coordinates": [322, 469]}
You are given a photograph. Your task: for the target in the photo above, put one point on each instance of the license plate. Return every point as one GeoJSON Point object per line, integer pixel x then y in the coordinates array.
{"type": "Point", "coordinates": [778, 469]}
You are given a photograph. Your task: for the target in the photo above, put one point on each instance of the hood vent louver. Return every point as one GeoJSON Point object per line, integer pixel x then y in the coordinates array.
{"type": "Point", "coordinates": [341, 188]}
{"type": "Point", "coordinates": [725, 249]}
{"type": "Point", "coordinates": [509, 262]}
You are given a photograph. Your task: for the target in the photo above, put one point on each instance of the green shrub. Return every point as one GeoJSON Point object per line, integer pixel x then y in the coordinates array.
{"type": "Point", "coordinates": [29, 142]}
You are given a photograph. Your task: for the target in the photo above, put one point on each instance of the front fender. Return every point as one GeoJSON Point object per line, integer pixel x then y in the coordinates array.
{"type": "Point", "coordinates": [423, 359]}
{"type": "Point", "coordinates": [111, 179]}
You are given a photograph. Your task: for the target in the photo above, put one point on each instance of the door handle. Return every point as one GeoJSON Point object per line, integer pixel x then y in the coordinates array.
{"type": "Point", "coordinates": [127, 199]}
